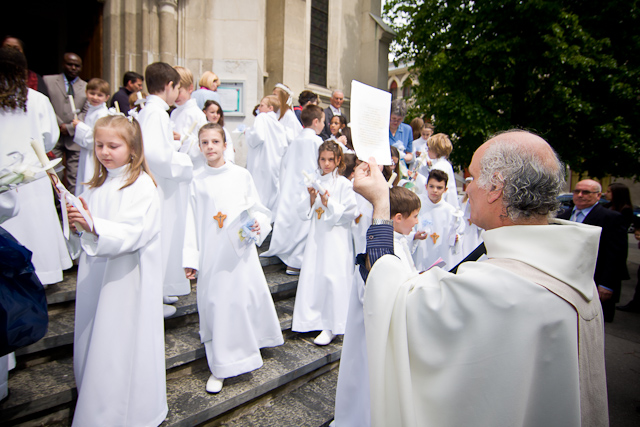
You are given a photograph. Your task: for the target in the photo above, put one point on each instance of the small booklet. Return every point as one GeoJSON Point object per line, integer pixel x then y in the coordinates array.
{"type": "Point", "coordinates": [240, 234]}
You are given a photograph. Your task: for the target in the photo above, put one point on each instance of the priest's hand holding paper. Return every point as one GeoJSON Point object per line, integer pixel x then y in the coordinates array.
{"type": "Point", "coordinates": [370, 184]}
{"type": "Point", "coordinates": [76, 218]}
{"type": "Point", "coordinates": [190, 273]}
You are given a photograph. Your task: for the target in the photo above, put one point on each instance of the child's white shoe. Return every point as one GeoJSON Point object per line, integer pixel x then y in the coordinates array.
{"type": "Point", "coordinates": [169, 300]}
{"type": "Point", "coordinates": [324, 338]}
{"type": "Point", "coordinates": [214, 385]}
{"type": "Point", "coordinates": [168, 310]}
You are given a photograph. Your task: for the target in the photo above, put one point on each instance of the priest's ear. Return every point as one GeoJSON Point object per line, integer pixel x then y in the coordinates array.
{"type": "Point", "coordinates": [497, 186]}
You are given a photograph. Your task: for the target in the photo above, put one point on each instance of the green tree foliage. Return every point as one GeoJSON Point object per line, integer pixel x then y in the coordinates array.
{"type": "Point", "coordinates": [568, 70]}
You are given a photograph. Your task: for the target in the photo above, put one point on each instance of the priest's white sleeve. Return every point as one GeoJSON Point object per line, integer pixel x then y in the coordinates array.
{"type": "Point", "coordinates": [190, 250]}
{"type": "Point", "coordinates": [136, 224]}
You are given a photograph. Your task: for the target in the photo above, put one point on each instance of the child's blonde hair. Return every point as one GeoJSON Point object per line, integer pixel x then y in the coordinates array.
{"type": "Point", "coordinates": [99, 85]}
{"type": "Point", "coordinates": [130, 132]}
{"type": "Point", "coordinates": [440, 145]}
{"type": "Point", "coordinates": [334, 148]}
{"type": "Point", "coordinates": [186, 76]}
{"type": "Point", "coordinates": [272, 101]}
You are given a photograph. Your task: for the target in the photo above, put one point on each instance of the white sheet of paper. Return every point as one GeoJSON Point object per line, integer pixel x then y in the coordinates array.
{"type": "Point", "coordinates": [370, 112]}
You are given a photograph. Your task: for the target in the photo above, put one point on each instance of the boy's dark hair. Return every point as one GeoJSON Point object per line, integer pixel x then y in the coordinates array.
{"type": "Point", "coordinates": [158, 75]}
{"type": "Point", "coordinates": [131, 76]}
{"type": "Point", "coordinates": [403, 201]}
{"type": "Point", "coordinates": [306, 96]}
{"type": "Point", "coordinates": [439, 176]}
{"type": "Point", "coordinates": [350, 165]}
{"type": "Point", "coordinates": [309, 113]}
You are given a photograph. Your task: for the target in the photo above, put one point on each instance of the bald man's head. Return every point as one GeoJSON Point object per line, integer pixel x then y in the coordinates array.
{"type": "Point", "coordinates": [522, 170]}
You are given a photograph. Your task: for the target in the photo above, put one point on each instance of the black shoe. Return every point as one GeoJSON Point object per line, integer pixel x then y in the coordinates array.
{"type": "Point", "coordinates": [632, 307]}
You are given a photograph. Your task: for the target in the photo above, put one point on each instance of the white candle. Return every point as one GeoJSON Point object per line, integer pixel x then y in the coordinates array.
{"type": "Point", "coordinates": [392, 178]}
{"type": "Point", "coordinates": [139, 95]}
{"type": "Point", "coordinates": [186, 135]}
{"type": "Point", "coordinates": [73, 107]}
{"type": "Point", "coordinates": [42, 156]}
{"type": "Point", "coordinates": [115, 104]}
{"type": "Point", "coordinates": [314, 182]}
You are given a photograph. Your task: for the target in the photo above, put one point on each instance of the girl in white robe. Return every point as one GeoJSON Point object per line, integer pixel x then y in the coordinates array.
{"type": "Point", "coordinates": [326, 276]}
{"type": "Point", "coordinates": [119, 360]}
{"type": "Point", "coordinates": [286, 116]}
{"type": "Point", "coordinates": [213, 111]}
{"type": "Point", "coordinates": [36, 226]}
{"type": "Point", "coordinates": [267, 143]}
{"type": "Point", "coordinates": [237, 314]}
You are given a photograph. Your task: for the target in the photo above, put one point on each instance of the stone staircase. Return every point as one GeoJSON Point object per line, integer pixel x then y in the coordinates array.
{"type": "Point", "coordinates": [296, 385]}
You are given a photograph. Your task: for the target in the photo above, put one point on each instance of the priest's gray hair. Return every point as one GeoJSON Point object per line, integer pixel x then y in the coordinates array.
{"type": "Point", "coordinates": [530, 182]}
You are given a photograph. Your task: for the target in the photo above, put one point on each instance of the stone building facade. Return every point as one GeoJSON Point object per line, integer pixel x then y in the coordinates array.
{"type": "Point", "coordinates": [252, 44]}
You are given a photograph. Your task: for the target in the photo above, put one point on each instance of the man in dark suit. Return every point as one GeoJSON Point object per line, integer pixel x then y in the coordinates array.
{"type": "Point", "coordinates": [334, 109]}
{"type": "Point", "coordinates": [611, 266]}
{"type": "Point", "coordinates": [131, 82]}
{"type": "Point", "coordinates": [60, 86]}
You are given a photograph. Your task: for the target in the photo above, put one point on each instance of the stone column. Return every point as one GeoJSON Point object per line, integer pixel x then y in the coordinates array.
{"type": "Point", "coordinates": [168, 30]}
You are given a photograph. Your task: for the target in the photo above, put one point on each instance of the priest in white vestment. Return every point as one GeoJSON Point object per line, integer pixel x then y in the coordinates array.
{"type": "Point", "coordinates": [516, 340]}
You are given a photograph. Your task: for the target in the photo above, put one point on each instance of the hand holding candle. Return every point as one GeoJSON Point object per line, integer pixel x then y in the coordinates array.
{"type": "Point", "coordinates": [73, 107]}
{"type": "Point", "coordinates": [77, 219]}
{"type": "Point", "coordinates": [310, 181]}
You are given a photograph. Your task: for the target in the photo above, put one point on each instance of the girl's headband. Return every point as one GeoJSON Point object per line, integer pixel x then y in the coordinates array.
{"type": "Point", "coordinates": [288, 91]}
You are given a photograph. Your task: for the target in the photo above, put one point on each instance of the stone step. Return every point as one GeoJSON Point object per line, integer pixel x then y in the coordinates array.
{"type": "Point", "coordinates": [182, 336]}
{"type": "Point", "coordinates": [309, 404]}
{"type": "Point", "coordinates": [66, 290]}
{"type": "Point", "coordinates": [190, 404]}
{"type": "Point", "coordinates": [51, 386]}
{"type": "Point", "coordinates": [60, 331]}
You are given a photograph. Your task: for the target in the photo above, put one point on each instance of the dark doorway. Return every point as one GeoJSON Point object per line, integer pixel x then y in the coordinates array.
{"type": "Point", "coordinates": [51, 28]}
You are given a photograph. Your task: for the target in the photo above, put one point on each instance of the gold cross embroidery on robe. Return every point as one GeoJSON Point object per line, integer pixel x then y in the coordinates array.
{"type": "Point", "coordinates": [319, 211]}
{"type": "Point", "coordinates": [358, 219]}
{"type": "Point", "coordinates": [434, 237]}
{"type": "Point", "coordinates": [220, 217]}
{"type": "Point", "coordinates": [469, 221]}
